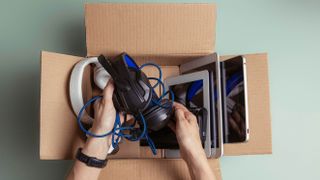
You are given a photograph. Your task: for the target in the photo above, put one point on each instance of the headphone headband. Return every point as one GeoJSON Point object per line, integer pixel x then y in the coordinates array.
{"type": "Point", "coordinates": [75, 86]}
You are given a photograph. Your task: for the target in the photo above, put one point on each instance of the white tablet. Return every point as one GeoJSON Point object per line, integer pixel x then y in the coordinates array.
{"type": "Point", "coordinates": [192, 90]}
{"type": "Point", "coordinates": [211, 63]}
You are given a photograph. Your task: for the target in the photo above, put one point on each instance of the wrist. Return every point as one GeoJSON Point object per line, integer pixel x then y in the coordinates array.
{"type": "Point", "coordinates": [97, 147]}
{"type": "Point", "coordinates": [101, 129]}
{"type": "Point", "coordinates": [198, 165]}
{"type": "Point", "coordinates": [194, 156]}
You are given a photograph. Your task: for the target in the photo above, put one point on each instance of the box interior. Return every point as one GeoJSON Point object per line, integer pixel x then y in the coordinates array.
{"type": "Point", "coordinates": [60, 136]}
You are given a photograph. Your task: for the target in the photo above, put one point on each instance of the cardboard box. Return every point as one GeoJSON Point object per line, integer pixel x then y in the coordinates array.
{"type": "Point", "coordinates": [167, 34]}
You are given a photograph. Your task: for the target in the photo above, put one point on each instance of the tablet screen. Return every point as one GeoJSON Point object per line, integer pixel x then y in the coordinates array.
{"type": "Point", "coordinates": [211, 67]}
{"type": "Point", "coordinates": [234, 100]}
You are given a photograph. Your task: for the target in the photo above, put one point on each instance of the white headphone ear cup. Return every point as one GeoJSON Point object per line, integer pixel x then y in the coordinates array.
{"type": "Point", "coordinates": [101, 76]}
{"type": "Point", "coordinates": [75, 88]}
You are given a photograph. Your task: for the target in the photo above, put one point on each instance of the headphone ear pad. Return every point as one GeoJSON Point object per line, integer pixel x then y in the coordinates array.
{"type": "Point", "coordinates": [158, 117]}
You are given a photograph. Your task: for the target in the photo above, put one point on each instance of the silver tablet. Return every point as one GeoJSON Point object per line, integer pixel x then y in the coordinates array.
{"type": "Point", "coordinates": [211, 63]}
{"type": "Point", "coordinates": [193, 89]}
{"type": "Point", "coordinates": [234, 86]}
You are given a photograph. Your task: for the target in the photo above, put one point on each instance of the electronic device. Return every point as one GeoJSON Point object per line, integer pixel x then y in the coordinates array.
{"type": "Point", "coordinates": [101, 77]}
{"type": "Point", "coordinates": [192, 91]}
{"type": "Point", "coordinates": [133, 95]}
{"type": "Point", "coordinates": [211, 63]}
{"type": "Point", "coordinates": [235, 106]}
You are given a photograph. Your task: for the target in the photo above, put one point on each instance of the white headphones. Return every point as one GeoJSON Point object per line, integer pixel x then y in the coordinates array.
{"type": "Point", "coordinates": [101, 78]}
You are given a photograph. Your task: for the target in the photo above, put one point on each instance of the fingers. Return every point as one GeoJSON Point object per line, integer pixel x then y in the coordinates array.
{"type": "Point", "coordinates": [179, 106]}
{"type": "Point", "coordinates": [179, 114]}
{"type": "Point", "coordinates": [183, 114]}
{"type": "Point", "coordinates": [108, 91]}
{"type": "Point", "coordinates": [179, 110]}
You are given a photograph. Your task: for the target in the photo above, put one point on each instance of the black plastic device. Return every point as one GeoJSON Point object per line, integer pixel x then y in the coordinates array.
{"type": "Point", "coordinates": [133, 92]}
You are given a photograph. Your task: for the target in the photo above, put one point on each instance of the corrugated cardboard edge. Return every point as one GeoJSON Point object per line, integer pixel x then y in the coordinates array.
{"type": "Point", "coordinates": [159, 169]}
{"type": "Point", "coordinates": [150, 29]}
{"type": "Point", "coordinates": [260, 141]}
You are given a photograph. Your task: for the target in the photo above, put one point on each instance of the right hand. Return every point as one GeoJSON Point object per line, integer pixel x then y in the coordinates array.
{"type": "Point", "coordinates": [187, 132]}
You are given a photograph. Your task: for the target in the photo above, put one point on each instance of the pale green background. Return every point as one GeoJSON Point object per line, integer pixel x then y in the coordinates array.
{"type": "Point", "coordinates": [287, 30]}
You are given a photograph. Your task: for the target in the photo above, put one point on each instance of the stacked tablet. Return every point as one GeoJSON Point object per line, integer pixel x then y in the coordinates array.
{"type": "Point", "coordinates": [216, 92]}
{"type": "Point", "coordinates": [207, 69]}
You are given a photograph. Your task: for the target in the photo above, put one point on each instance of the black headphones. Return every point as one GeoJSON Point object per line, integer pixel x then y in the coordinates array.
{"type": "Point", "coordinates": [133, 92]}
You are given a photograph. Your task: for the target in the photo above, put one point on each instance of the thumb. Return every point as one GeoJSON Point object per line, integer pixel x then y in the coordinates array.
{"type": "Point", "coordinates": [108, 91]}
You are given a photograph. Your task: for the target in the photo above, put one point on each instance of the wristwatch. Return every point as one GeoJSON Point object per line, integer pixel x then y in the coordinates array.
{"type": "Point", "coordinates": [91, 161]}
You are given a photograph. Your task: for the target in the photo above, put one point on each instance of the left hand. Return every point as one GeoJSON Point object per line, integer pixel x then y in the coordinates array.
{"type": "Point", "coordinates": [104, 118]}
{"type": "Point", "coordinates": [104, 111]}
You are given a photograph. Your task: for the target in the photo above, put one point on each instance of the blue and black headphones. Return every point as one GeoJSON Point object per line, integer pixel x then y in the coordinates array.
{"type": "Point", "coordinates": [134, 95]}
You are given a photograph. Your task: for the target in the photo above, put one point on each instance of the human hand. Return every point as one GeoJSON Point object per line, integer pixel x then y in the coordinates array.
{"type": "Point", "coordinates": [187, 132]}
{"type": "Point", "coordinates": [104, 118]}
{"type": "Point", "coordinates": [104, 111]}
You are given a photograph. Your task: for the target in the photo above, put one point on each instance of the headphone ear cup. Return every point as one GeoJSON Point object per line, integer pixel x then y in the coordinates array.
{"type": "Point", "coordinates": [157, 117]}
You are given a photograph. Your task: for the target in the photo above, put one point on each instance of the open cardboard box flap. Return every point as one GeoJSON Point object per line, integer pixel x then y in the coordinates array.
{"type": "Point", "coordinates": [150, 29]}
{"type": "Point", "coordinates": [168, 34]}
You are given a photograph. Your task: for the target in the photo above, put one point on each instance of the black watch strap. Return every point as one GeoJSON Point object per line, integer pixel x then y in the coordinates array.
{"type": "Point", "coordinates": [90, 161]}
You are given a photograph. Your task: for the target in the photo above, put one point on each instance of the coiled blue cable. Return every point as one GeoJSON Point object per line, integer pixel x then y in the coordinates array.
{"type": "Point", "coordinates": [116, 132]}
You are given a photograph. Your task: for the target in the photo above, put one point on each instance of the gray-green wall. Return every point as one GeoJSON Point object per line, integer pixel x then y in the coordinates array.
{"type": "Point", "coordinates": [288, 30]}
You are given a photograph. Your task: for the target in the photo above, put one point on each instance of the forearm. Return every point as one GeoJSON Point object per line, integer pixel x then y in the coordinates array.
{"type": "Point", "coordinates": [94, 147]}
{"type": "Point", "coordinates": [198, 166]}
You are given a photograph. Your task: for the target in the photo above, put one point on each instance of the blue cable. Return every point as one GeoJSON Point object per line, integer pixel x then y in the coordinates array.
{"type": "Point", "coordinates": [154, 65]}
{"type": "Point", "coordinates": [164, 93]}
{"type": "Point", "coordinates": [118, 128]}
{"type": "Point", "coordinates": [84, 129]}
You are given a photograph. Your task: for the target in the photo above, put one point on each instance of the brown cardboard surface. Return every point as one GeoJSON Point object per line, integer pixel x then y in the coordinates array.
{"type": "Point", "coordinates": [60, 136]}
{"type": "Point", "coordinates": [152, 169]}
{"type": "Point", "coordinates": [57, 121]}
{"type": "Point", "coordinates": [260, 141]}
{"type": "Point", "coordinates": [150, 29]}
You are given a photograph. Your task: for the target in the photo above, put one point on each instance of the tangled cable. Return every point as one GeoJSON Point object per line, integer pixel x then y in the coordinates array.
{"type": "Point", "coordinates": [118, 129]}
